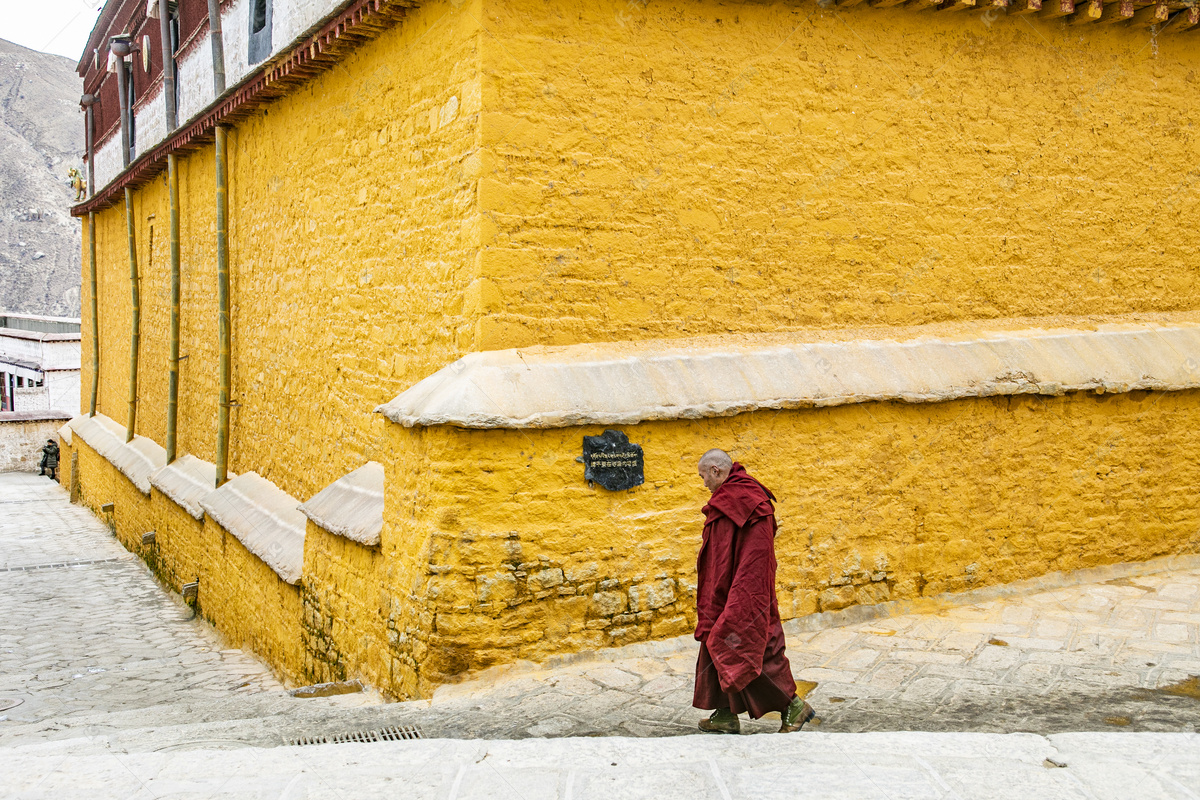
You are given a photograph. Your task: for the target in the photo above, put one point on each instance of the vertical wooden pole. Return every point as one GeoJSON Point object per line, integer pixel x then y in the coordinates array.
{"type": "Point", "coordinates": [218, 46]}
{"type": "Point", "coordinates": [95, 310]}
{"type": "Point", "coordinates": [135, 316]}
{"type": "Point", "coordinates": [173, 376]}
{"type": "Point", "coordinates": [168, 60]}
{"type": "Point", "coordinates": [91, 146]}
{"type": "Point", "coordinates": [123, 100]}
{"type": "Point", "coordinates": [223, 331]}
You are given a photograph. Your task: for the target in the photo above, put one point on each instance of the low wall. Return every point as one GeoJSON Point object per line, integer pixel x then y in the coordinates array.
{"type": "Point", "coordinates": [244, 598]}
{"type": "Point", "coordinates": [877, 501]}
{"type": "Point", "coordinates": [22, 435]}
{"type": "Point", "coordinates": [493, 548]}
{"type": "Point", "coordinates": [344, 626]}
{"type": "Point", "coordinates": [179, 554]}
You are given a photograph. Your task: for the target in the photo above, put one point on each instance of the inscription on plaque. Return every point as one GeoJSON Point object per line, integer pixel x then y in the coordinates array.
{"type": "Point", "coordinates": [612, 461]}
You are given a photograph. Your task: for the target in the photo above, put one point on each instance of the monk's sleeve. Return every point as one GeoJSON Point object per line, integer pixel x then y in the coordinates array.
{"type": "Point", "coordinates": [738, 638]}
{"type": "Point", "coordinates": [714, 573]}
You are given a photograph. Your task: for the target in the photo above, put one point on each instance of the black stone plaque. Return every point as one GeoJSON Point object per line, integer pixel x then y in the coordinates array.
{"type": "Point", "coordinates": [612, 461]}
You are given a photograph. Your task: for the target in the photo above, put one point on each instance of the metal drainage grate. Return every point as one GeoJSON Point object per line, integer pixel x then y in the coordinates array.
{"type": "Point", "coordinates": [393, 734]}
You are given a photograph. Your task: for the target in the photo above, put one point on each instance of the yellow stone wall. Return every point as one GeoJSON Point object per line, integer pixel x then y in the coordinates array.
{"type": "Point", "coordinates": [250, 604]}
{"type": "Point", "coordinates": [684, 167]}
{"type": "Point", "coordinates": [344, 625]}
{"type": "Point", "coordinates": [880, 501]}
{"type": "Point", "coordinates": [354, 257]}
{"type": "Point", "coordinates": [353, 242]}
{"type": "Point", "coordinates": [496, 173]}
{"type": "Point", "coordinates": [102, 483]}
{"type": "Point", "coordinates": [179, 555]}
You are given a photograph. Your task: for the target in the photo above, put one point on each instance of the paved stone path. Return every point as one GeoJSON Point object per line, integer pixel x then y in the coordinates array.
{"type": "Point", "coordinates": [1121, 654]}
{"type": "Point", "coordinates": [88, 640]}
{"type": "Point", "coordinates": [873, 766]}
{"type": "Point", "coordinates": [105, 660]}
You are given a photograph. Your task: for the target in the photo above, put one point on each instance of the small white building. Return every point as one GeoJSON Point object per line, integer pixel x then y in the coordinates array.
{"type": "Point", "coordinates": [39, 363]}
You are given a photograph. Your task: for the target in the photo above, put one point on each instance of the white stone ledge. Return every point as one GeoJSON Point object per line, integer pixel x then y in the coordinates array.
{"type": "Point", "coordinates": [187, 481]}
{"type": "Point", "coordinates": [351, 506]}
{"type": "Point", "coordinates": [265, 519]}
{"type": "Point", "coordinates": [628, 382]}
{"type": "Point", "coordinates": [137, 460]}
{"type": "Point", "coordinates": [255, 511]}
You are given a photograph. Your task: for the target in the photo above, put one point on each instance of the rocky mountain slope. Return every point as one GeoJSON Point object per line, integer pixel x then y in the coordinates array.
{"type": "Point", "coordinates": [41, 137]}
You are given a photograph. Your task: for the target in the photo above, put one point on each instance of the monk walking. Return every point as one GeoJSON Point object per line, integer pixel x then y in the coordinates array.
{"type": "Point", "coordinates": [742, 666]}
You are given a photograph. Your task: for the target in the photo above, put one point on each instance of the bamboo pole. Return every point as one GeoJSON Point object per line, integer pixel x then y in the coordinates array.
{"type": "Point", "coordinates": [173, 377]}
{"type": "Point", "coordinates": [168, 60]}
{"type": "Point", "coordinates": [169, 77]}
{"type": "Point", "coordinates": [218, 46]}
{"type": "Point", "coordinates": [135, 316]}
{"type": "Point", "coordinates": [123, 101]}
{"type": "Point", "coordinates": [95, 311]}
{"type": "Point", "coordinates": [223, 332]}
{"type": "Point", "coordinates": [88, 101]}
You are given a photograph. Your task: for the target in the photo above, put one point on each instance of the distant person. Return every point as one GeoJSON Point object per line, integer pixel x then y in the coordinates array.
{"type": "Point", "coordinates": [742, 666]}
{"type": "Point", "coordinates": [50, 459]}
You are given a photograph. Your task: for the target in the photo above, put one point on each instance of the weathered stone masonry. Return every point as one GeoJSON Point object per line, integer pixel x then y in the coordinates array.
{"type": "Point", "coordinates": [850, 245]}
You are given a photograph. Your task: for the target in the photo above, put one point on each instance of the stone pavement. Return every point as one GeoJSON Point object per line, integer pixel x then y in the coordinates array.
{"type": "Point", "coordinates": [1119, 654]}
{"type": "Point", "coordinates": [883, 766]}
{"type": "Point", "coordinates": [88, 640]}
{"type": "Point", "coordinates": [108, 666]}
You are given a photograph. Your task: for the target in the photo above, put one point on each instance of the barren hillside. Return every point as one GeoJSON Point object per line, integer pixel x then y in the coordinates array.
{"type": "Point", "coordinates": [41, 137]}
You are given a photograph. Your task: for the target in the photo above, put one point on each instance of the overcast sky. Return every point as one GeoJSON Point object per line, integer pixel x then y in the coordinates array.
{"type": "Point", "coordinates": [54, 26]}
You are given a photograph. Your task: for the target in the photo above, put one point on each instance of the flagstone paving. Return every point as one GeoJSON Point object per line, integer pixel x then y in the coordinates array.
{"type": "Point", "coordinates": [870, 766]}
{"type": "Point", "coordinates": [100, 655]}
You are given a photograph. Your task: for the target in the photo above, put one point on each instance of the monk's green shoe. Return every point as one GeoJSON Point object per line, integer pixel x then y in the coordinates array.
{"type": "Point", "coordinates": [721, 721]}
{"type": "Point", "coordinates": [795, 715]}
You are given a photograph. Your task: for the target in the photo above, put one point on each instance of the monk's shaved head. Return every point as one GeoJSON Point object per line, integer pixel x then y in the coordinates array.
{"type": "Point", "coordinates": [716, 458]}
{"type": "Point", "coordinates": [714, 468]}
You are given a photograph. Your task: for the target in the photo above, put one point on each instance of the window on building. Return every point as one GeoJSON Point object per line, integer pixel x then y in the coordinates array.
{"type": "Point", "coordinates": [259, 20]}
{"type": "Point", "coordinates": [20, 382]}
{"type": "Point", "coordinates": [260, 31]}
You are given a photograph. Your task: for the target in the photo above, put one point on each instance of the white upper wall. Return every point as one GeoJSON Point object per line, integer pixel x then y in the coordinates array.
{"type": "Point", "coordinates": [108, 161]}
{"type": "Point", "coordinates": [294, 17]}
{"type": "Point", "coordinates": [290, 19]}
{"type": "Point", "coordinates": [56, 357]}
{"type": "Point", "coordinates": [62, 391]}
{"type": "Point", "coordinates": [48, 354]}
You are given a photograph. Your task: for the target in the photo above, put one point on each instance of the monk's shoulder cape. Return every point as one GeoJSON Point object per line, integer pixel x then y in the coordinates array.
{"type": "Point", "coordinates": [740, 498]}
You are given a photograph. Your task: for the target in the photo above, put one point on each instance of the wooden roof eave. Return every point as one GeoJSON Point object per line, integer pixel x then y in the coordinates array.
{"type": "Point", "coordinates": [357, 22]}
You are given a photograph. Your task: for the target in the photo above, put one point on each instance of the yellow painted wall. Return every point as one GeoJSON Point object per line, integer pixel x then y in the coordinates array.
{"type": "Point", "coordinates": [496, 173]}
{"type": "Point", "coordinates": [179, 555]}
{"type": "Point", "coordinates": [353, 241]}
{"type": "Point", "coordinates": [101, 483]}
{"type": "Point", "coordinates": [877, 502]}
{"type": "Point", "coordinates": [250, 604]}
{"type": "Point", "coordinates": [344, 624]}
{"type": "Point", "coordinates": [686, 167]}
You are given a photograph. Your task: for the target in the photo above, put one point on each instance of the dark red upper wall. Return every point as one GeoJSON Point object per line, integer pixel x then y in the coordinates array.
{"type": "Point", "coordinates": [129, 16]}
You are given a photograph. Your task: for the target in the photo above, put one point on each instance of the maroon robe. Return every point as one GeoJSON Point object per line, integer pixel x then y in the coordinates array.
{"type": "Point", "coordinates": [742, 665]}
